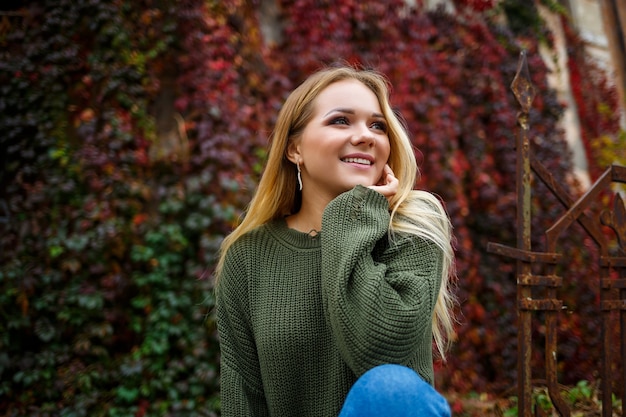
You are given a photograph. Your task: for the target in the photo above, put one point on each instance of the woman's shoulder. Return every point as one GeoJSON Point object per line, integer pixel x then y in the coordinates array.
{"type": "Point", "coordinates": [241, 257]}
{"type": "Point", "coordinates": [248, 241]}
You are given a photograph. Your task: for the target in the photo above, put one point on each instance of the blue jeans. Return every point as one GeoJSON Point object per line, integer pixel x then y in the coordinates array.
{"type": "Point", "coordinates": [393, 390]}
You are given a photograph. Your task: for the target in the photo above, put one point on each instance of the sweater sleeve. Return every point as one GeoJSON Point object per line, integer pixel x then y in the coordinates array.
{"type": "Point", "coordinates": [379, 297]}
{"type": "Point", "coordinates": [240, 375]}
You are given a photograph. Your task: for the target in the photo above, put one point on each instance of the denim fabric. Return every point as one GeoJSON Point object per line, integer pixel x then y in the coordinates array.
{"type": "Point", "coordinates": [393, 390]}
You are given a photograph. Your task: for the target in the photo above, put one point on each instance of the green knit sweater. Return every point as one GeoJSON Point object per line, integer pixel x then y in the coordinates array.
{"type": "Point", "coordinates": [301, 317]}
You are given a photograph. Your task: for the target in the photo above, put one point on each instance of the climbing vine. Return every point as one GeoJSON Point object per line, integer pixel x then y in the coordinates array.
{"type": "Point", "coordinates": [134, 134]}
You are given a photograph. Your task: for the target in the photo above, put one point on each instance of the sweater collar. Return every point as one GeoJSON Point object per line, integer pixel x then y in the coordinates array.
{"type": "Point", "coordinates": [292, 237]}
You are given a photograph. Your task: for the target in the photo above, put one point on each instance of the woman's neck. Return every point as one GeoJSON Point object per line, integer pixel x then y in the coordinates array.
{"type": "Point", "coordinates": [309, 217]}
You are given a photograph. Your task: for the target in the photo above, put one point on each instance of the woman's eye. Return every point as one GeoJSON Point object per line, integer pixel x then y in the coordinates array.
{"type": "Point", "coordinates": [339, 121]}
{"type": "Point", "coordinates": [382, 126]}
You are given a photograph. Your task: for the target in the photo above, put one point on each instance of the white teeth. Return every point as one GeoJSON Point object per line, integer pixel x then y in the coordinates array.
{"type": "Point", "coordinates": [362, 161]}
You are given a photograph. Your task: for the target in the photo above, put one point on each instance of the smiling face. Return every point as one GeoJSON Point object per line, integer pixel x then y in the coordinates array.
{"type": "Point", "coordinates": [345, 143]}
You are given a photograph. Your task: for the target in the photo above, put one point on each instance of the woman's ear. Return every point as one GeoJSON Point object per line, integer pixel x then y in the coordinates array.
{"type": "Point", "coordinates": [293, 152]}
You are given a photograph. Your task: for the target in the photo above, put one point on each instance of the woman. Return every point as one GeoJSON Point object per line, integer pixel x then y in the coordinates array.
{"type": "Point", "coordinates": [338, 266]}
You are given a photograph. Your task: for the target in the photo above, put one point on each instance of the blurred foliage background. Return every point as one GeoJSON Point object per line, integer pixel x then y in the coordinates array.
{"type": "Point", "coordinates": [132, 136]}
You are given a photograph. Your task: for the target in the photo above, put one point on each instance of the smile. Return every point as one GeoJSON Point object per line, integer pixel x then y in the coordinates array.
{"type": "Point", "coordinates": [360, 161]}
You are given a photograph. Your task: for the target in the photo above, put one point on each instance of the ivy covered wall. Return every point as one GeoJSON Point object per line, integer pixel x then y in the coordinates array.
{"type": "Point", "coordinates": [133, 136]}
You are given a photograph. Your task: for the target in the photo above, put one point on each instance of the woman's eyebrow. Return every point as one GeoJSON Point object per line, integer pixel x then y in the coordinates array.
{"type": "Point", "coordinates": [340, 110]}
{"type": "Point", "coordinates": [350, 111]}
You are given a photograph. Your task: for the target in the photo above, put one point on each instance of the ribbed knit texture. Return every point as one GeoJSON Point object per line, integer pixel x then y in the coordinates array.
{"type": "Point", "coordinates": [301, 317]}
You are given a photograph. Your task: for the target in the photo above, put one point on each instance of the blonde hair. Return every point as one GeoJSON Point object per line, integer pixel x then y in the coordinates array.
{"type": "Point", "coordinates": [412, 211]}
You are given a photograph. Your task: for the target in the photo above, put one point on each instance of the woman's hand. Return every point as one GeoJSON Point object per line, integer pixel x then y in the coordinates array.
{"type": "Point", "coordinates": [387, 185]}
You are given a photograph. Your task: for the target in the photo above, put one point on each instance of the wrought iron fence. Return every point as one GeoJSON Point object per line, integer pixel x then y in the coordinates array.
{"type": "Point", "coordinates": [612, 277]}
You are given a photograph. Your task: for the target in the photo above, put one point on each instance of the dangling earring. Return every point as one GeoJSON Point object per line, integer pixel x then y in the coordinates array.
{"type": "Point", "coordinates": [299, 175]}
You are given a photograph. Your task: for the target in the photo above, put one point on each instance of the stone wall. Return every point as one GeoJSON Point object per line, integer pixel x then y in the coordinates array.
{"type": "Point", "coordinates": [587, 18]}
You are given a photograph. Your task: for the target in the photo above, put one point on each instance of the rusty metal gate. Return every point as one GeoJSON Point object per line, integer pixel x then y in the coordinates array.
{"type": "Point", "coordinates": [612, 277]}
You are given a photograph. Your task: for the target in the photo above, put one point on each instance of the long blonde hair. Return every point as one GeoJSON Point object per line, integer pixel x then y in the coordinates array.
{"type": "Point", "coordinates": [412, 211]}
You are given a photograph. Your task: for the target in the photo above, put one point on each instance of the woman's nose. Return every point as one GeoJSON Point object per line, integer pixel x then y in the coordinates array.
{"type": "Point", "coordinates": [363, 135]}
